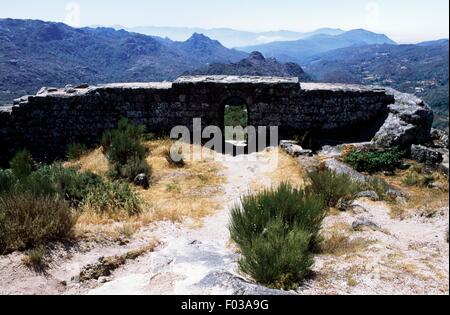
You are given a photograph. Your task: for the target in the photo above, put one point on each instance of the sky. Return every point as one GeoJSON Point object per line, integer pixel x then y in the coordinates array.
{"type": "Point", "coordinates": [406, 21]}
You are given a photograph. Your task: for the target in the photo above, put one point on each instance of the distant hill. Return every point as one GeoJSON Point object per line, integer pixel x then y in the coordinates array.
{"type": "Point", "coordinates": [256, 65]}
{"type": "Point", "coordinates": [439, 42]}
{"type": "Point", "coordinates": [300, 50]}
{"type": "Point", "coordinates": [227, 36]}
{"type": "Point", "coordinates": [35, 54]}
{"type": "Point", "coordinates": [419, 69]}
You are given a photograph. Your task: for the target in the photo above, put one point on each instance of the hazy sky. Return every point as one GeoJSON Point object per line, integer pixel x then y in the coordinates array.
{"type": "Point", "coordinates": [402, 20]}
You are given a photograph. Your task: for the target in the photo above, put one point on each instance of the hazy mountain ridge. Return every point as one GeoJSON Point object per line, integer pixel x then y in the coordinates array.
{"type": "Point", "coordinates": [35, 54]}
{"type": "Point", "coordinates": [255, 65]}
{"type": "Point", "coordinates": [227, 36]}
{"type": "Point", "coordinates": [300, 50]}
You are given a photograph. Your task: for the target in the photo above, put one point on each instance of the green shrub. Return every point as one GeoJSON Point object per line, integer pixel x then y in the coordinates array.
{"type": "Point", "coordinates": [125, 151]}
{"type": "Point", "coordinates": [332, 186]}
{"type": "Point", "coordinates": [278, 257]}
{"type": "Point", "coordinates": [375, 161]}
{"type": "Point", "coordinates": [82, 189]}
{"type": "Point", "coordinates": [276, 231]}
{"type": "Point", "coordinates": [123, 148]}
{"type": "Point", "coordinates": [27, 220]}
{"type": "Point", "coordinates": [56, 180]}
{"type": "Point", "coordinates": [75, 151]}
{"type": "Point", "coordinates": [131, 169]}
{"type": "Point", "coordinates": [7, 180]}
{"type": "Point", "coordinates": [113, 198]}
{"type": "Point", "coordinates": [22, 164]}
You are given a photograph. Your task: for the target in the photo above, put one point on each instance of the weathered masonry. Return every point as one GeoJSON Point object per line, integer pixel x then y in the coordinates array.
{"type": "Point", "coordinates": [47, 122]}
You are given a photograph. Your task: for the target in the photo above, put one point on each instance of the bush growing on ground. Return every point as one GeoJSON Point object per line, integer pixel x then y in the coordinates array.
{"type": "Point", "coordinates": [374, 161]}
{"type": "Point", "coordinates": [276, 231]}
{"type": "Point", "coordinates": [7, 180]}
{"type": "Point", "coordinates": [75, 151]}
{"type": "Point", "coordinates": [278, 257]}
{"type": "Point", "coordinates": [83, 190]}
{"type": "Point", "coordinates": [125, 151]}
{"type": "Point", "coordinates": [56, 180]}
{"type": "Point", "coordinates": [22, 164]}
{"type": "Point", "coordinates": [27, 220]}
{"type": "Point", "coordinates": [112, 198]}
{"type": "Point", "coordinates": [332, 186]}
{"type": "Point", "coordinates": [78, 189]}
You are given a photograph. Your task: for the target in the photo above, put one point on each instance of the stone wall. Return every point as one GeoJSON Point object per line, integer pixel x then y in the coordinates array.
{"type": "Point", "coordinates": [47, 122]}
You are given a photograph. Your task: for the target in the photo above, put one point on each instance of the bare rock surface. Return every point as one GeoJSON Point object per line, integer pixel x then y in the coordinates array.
{"type": "Point", "coordinates": [409, 122]}
{"type": "Point", "coordinates": [402, 257]}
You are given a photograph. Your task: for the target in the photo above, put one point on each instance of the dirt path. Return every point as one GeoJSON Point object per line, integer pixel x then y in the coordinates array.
{"type": "Point", "coordinates": [193, 261]}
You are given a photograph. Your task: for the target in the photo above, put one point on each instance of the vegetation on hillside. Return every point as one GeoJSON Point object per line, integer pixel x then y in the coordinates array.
{"type": "Point", "coordinates": [417, 69]}
{"type": "Point", "coordinates": [374, 161]}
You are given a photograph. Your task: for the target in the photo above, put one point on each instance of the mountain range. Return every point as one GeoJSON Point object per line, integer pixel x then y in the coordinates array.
{"type": "Point", "coordinates": [300, 50]}
{"type": "Point", "coordinates": [420, 69]}
{"type": "Point", "coordinates": [35, 54]}
{"type": "Point", "coordinates": [227, 36]}
{"type": "Point", "coordinates": [257, 65]}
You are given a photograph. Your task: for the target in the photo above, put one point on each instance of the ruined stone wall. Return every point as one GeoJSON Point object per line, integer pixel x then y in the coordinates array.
{"type": "Point", "coordinates": [47, 122]}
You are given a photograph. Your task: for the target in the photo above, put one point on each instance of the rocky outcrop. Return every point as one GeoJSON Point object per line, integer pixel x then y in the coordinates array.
{"type": "Point", "coordinates": [426, 155]}
{"type": "Point", "coordinates": [293, 149]}
{"type": "Point", "coordinates": [409, 122]}
{"type": "Point", "coordinates": [440, 138]}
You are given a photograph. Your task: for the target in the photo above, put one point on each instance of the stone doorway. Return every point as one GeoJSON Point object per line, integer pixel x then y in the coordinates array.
{"type": "Point", "coordinates": [235, 119]}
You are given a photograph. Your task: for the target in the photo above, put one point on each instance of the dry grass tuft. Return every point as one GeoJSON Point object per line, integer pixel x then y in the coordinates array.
{"type": "Point", "coordinates": [35, 258]}
{"type": "Point", "coordinates": [288, 170]}
{"type": "Point", "coordinates": [128, 229]}
{"type": "Point", "coordinates": [93, 161]}
{"type": "Point", "coordinates": [339, 244]}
